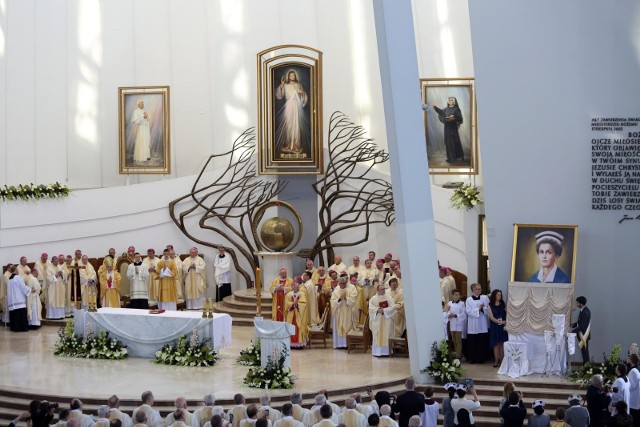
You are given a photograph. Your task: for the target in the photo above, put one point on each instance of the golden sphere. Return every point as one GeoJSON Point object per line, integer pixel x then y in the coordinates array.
{"type": "Point", "coordinates": [276, 233]}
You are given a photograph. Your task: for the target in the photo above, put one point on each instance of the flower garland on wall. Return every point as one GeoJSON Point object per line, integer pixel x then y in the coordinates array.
{"type": "Point", "coordinates": [34, 192]}
{"type": "Point", "coordinates": [273, 375]}
{"type": "Point", "coordinates": [443, 368]}
{"type": "Point", "coordinates": [90, 347]}
{"type": "Point", "coordinates": [467, 197]}
{"type": "Point", "coordinates": [187, 352]}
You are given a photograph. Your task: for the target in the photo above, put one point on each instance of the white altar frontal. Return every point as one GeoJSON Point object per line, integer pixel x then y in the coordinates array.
{"type": "Point", "coordinates": [144, 333]}
{"type": "Point", "coordinates": [274, 336]}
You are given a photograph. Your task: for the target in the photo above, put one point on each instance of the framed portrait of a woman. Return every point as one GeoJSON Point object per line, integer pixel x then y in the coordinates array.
{"type": "Point", "coordinates": [290, 110]}
{"type": "Point", "coordinates": [450, 125]}
{"type": "Point", "coordinates": [544, 253]}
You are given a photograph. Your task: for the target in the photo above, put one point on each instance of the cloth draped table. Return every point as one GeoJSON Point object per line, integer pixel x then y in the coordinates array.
{"type": "Point", "coordinates": [144, 333]}
{"type": "Point", "coordinates": [515, 363]}
{"type": "Point", "coordinates": [273, 336]}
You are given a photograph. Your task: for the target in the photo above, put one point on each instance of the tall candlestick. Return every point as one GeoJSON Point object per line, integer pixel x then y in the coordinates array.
{"type": "Point", "coordinates": [259, 291]}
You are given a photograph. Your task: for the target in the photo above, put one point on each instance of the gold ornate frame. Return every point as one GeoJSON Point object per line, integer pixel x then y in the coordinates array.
{"type": "Point", "coordinates": [124, 123]}
{"type": "Point", "coordinates": [463, 82]}
{"type": "Point", "coordinates": [269, 61]}
{"type": "Point", "coordinates": [570, 231]}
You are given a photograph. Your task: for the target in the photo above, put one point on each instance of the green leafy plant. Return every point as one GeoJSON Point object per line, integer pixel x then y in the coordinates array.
{"type": "Point", "coordinates": [467, 197]}
{"type": "Point", "coordinates": [443, 368]}
{"type": "Point", "coordinates": [90, 347]}
{"type": "Point", "coordinates": [187, 352]}
{"type": "Point", "coordinates": [274, 374]}
{"type": "Point", "coordinates": [34, 192]}
{"type": "Point", "coordinates": [582, 375]}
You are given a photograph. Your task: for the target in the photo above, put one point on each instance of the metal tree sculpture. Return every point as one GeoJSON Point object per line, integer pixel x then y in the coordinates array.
{"type": "Point", "coordinates": [227, 202]}
{"type": "Point", "coordinates": [349, 198]}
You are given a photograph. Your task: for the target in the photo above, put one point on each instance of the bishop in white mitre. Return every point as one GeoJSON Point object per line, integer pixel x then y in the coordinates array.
{"type": "Point", "coordinates": [382, 309]}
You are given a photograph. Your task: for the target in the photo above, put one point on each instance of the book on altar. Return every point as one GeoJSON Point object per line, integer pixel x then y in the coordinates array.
{"type": "Point", "coordinates": [383, 304]}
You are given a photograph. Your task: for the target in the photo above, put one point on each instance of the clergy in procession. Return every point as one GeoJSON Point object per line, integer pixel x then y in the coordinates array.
{"type": "Point", "coordinates": [195, 284]}
{"type": "Point", "coordinates": [382, 310]}
{"type": "Point", "coordinates": [338, 266]}
{"type": "Point", "coordinates": [56, 288]}
{"type": "Point", "coordinates": [312, 298]}
{"type": "Point", "coordinates": [88, 278]}
{"type": "Point", "coordinates": [151, 264]}
{"type": "Point", "coordinates": [457, 315]}
{"type": "Point", "coordinates": [167, 291]}
{"type": "Point", "coordinates": [397, 294]}
{"type": "Point", "coordinates": [23, 269]}
{"type": "Point", "coordinates": [279, 287]}
{"type": "Point", "coordinates": [17, 293]}
{"type": "Point", "coordinates": [321, 285]}
{"type": "Point", "coordinates": [477, 308]}
{"type": "Point", "coordinates": [222, 266]}
{"type": "Point", "coordinates": [138, 275]}
{"type": "Point", "coordinates": [295, 305]}
{"type": "Point", "coordinates": [343, 307]}
{"type": "Point", "coordinates": [34, 303]}
{"type": "Point", "coordinates": [180, 281]}
{"type": "Point", "coordinates": [110, 285]}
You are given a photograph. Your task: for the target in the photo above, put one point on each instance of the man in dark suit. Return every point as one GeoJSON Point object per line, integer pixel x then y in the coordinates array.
{"type": "Point", "coordinates": [583, 327]}
{"type": "Point", "coordinates": [409, 403]}
{"type": "Point", "coordinates": [513, 411]}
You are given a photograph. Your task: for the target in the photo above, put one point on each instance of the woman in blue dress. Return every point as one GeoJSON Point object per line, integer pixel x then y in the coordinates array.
{"type": "Point", "coordinates": [497, 320]}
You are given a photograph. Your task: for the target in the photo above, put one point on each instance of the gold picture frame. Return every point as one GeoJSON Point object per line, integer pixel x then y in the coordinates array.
{"type": "Point", "coordinates": [452, 140]}
{"type": "Point", "coordinates": [290, 111]}
{"type": "Point", "coordinates": [144, 130]}
{"type": "Point", "coordinates": [535, 253]}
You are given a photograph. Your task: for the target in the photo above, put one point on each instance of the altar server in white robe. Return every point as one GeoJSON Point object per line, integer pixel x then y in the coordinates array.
{"type": "Point", "coordinates": [195, 284]}
{"type": "Point", "coordinates": [34, 304]}
{"type": "Point", "coordinates": [17, 293]}
{"type": "Point", "coordinates": [138, 275]}
{"type": "Point", "coordinates": [55, 290]}
{"type": "Point", "coordinates": [88, 278]}
{"type": "Point", "coordinates": [381, 311]}
{"type": "Point", "coordinates": [222, 266]}
{"type": "Point", "coordinates": [457, 315]}
{"type": "Point", "coordinates": [477, 307]}
{"type": "Point", "coordinates": [343, 308]}
{"type": "Point", "coordinates": [350, 417]}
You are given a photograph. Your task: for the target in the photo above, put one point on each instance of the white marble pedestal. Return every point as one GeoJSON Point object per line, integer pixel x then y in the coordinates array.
{"type": "Point", "coordinates": [272, 262]}
{"type": "Point", "coordinates": [273, 336]}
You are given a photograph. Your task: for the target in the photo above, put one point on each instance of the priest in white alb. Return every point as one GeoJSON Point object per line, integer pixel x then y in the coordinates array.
{"type": "Point", "coordinates": [23, 269]}
{"type": "Point", "coordinates": [338, 266]}
{"type": "Point", "coordinates": [222, 266]}
{"type": "Point", "coordinates": [396, 293]}
{"type": "Point", "coordinates": [381, 312]}
{"type": "Point", "coordinates": [34, 304]}
{"type": "Point", "coordinates": [343, 308]}
{"type": "Point", "coordinates": [312, 298]}
{"type": "Point", "coordinates": [195, 284]}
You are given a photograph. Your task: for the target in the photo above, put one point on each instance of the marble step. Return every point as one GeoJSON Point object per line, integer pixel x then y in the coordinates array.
{"type": "Point", "coordinates": [241, 304]}
{"type": "Point", "coordinates": [247, 295]}
{"type": "Point", "coordinates": [235, 313]}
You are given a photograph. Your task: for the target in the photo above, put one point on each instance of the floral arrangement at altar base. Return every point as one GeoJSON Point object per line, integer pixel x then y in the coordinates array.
{"type": "Point", "coordinates": [187, 352]}
{"type": "Point", "coordinates": [90, 347]}
{"type": "Point", "coordinates": [467, 197]}
{"type": "Point", "coordinates": [250, 356]}
{"type": "Point", "coordinates": [582, 375]}
{"type": "Point", "coordinates": [443, 368]}
{"type": "Point", "coordinates": [34, 192]}
{"type": "Point", "coordinates": [274, 374]}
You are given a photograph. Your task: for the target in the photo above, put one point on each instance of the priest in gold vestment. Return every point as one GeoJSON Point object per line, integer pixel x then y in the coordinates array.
{"type": "Point", "coordinates": [295, 305]}
{"type": "Point", "coordinates": [195, 284]}
{"type": "Point", "coordinates": [343, 308]}
{"type": "Point", "coordinates": [55, 287]}
{"type": "Point", "coordinates": [321, 284]}
{"type": "Point", "coordinates": [367, 289]}
{"type": "Point", "coordinates": [398, 297]}
{"type": "Point", "coordinates": [167, 287]}
{"type": "Point", "coordinates": [280, 286]}
{"type": "Point", "coordinates": [312, 298]}
{"type": "Point", "coordinates": [110, 285]}
{"type": "Point", "coordinates": [381, 314]}
{"type": "Point", "coordinates": [34, 304]}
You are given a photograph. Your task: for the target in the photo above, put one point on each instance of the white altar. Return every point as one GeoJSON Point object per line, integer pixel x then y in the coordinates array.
{"type": "Point", "coordinates": [273, 336]}
{"type": "Point", "coordinates": [144, 333]}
